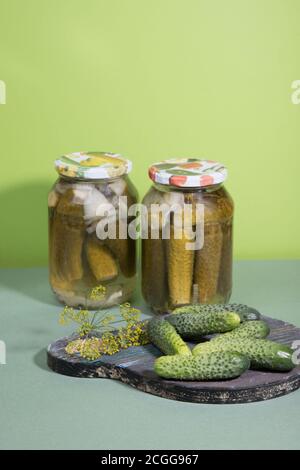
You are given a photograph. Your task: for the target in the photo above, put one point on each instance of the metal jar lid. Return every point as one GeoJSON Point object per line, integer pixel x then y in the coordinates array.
{"type": "Point", "coordinates": [93, 165]}
{"type": "Point", "coordinates": [188, 172]}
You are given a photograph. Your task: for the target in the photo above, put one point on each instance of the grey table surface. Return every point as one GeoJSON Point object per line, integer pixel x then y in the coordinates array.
{"type": "Point", "coordinates": [43, 410]}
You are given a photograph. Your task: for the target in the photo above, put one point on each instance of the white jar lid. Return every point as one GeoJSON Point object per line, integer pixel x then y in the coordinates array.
{"type": "Point", "coordinates": [93, 165]}
{"type": "Point", "coordinates": [188, 172]}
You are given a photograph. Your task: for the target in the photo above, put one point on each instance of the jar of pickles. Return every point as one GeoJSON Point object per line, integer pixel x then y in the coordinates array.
{"type": "Point", "coordinates": [89, 246]}
{"type": "Point", "coordinates": [176, 272]}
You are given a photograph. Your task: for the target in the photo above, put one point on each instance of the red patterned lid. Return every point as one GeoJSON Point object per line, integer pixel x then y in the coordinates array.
{"type": "Point", "coordinates": [188, 172]}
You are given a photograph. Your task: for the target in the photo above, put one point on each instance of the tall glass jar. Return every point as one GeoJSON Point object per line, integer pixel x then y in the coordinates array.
{"type": "Point", "coordinates": [89, 246]}
{"type": "Point", "coordinates": [176, 272]}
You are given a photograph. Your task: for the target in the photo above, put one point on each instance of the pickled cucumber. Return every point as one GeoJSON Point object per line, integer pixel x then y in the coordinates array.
{"type": "Point", "coordinates": [79, 260]}
{"type": "Point", "coordinates": [123, 249]}
{"type": "Point", "coordinates": [225, 275]}
{"type": "Point", "coordinates": [154, 279]}
{"type": "Point", "coordinates": [195, 325]}
{"type": "Point", "coordinates": [180, 270]}
{"type": "Point", "coordinates": [207, 264]}
{"type": "Point", "coordinates": [216, 366]}
{"type": "Point", "coordinates": [263, 354]}
{"type": "Point", "coordinates": [67, 233]}
{"type": "Point", "coordinates": [164, 336]}
{"type": "Point", "coordinates": [101, 261]}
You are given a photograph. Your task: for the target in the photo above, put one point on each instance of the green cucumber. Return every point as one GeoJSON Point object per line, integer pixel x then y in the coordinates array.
{"type": "Point", "coordinates": [216, 366]}
{"type": "Point", "coordinates": [263, 353]}
{"type": "Point", "coordinates": [246, 313]}
{"type": "Point", "coordinates": [251, 329]}
{"type": "Point", "coordinates": [165, 337]}
{"type": "Point", "coordinates": [195, 325]}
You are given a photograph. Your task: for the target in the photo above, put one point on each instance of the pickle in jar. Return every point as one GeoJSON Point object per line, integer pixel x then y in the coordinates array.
{"type": "Point", "coordinates": [202, 274]}
{"type": "Point", "coordinates": [89, 192]}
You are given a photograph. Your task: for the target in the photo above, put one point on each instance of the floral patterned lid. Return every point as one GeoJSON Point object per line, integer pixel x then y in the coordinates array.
{"type": "Point", "coordinates": [188, 172]}
{"type": "Point", "coordinates": [93, 165]}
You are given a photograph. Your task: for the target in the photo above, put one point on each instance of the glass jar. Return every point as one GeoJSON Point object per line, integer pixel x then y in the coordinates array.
{"type": "Point", "coordinates": [89, 246]}
{"type": "Point", "coordinates": [174, 271]}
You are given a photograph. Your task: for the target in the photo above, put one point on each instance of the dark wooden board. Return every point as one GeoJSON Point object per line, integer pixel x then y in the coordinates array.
{"type": "Point", "coordinates": [134, 367]}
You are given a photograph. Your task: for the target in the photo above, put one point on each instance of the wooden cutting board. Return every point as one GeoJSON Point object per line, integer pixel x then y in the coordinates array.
{"type": "Point", "coordinates": [134, 366]}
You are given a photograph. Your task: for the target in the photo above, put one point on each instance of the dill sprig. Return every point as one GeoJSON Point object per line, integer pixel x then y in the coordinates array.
{"type": "Point", "coordinates": [97, 332]}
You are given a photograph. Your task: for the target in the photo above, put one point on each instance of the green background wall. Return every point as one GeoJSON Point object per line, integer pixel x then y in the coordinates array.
{"type": "Point", "coordinates": [152, 79]}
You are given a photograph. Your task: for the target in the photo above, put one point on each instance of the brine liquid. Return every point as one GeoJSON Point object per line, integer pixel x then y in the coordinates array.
{"type": "Point", "coordinates": [78, 260]}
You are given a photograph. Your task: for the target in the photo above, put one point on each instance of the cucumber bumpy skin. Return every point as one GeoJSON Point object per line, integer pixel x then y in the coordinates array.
{"type": "Point", "coordinates": [246, 313]}
{"type": "Point", "coordinates": [263, 354]}
{"type": "Point", "coordinates": [251, 329]}
{"type": "Point", "coordinates": [215, 366]}
{"type": "Point", "coordinates": [165, 337]}
{"type": "Point", "coordinates": [191, 325]}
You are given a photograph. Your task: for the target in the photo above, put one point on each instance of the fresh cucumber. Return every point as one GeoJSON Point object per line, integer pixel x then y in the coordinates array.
{"type": "Point", "coordinates": [263, 353]}
{"type": "Point", "coordinates": [216, 366]}
{"type": "Point", "coordinates": [195, 325]}
{"type": "Point", "coordinates": [246, 313]}
{"type": "Point", "coordinates": [165, 337]}
{"type": "Point", "coordinates": [251, 329]}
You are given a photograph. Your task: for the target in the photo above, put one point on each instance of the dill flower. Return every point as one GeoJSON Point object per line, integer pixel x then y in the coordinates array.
{"type": "Point", "coordinates": [85, 328]}
{"type": "Point", "coordinates": [69, 314]}
{"type": "Point", "coordinates": [109, 344]}
{"type": "Point", "coordinates": [129, 314]}
{"type": "Point", "coordinates": [98, 293]}
{"type": "Point", "coordinates": [74, 347]}
{"type": "Point", "coordinates": [107, 320]}
{"type": "Point", "coordinates": [90, 348]}
{"type": "Point", "coordinates": [134, 333]}
{"type": "Point", "coordinates": [65, 315]}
